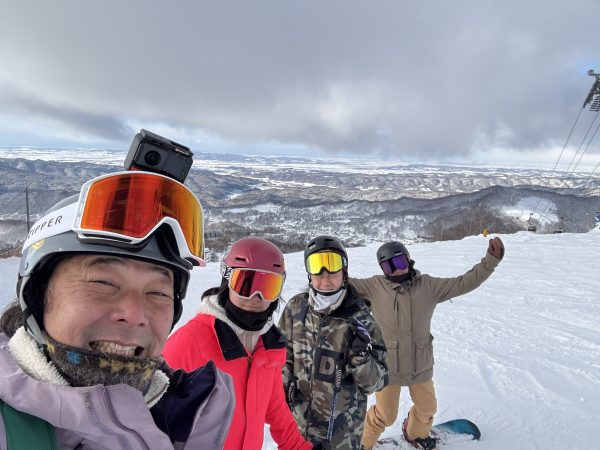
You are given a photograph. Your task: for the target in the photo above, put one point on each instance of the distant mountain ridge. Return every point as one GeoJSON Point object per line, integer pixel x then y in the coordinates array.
{"type": "Point", "coordinates": [290, 199]}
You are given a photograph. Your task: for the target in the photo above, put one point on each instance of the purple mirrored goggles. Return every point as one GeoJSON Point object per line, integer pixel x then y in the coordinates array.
{"type": "Point", "coordinates": [397, 262]}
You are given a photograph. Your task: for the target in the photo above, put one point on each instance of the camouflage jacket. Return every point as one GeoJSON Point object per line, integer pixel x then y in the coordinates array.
{"type": "Point", "coordinates": [326, 384]}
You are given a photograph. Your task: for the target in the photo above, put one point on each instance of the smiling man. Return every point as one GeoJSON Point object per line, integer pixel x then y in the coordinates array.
{"type": "Point", "coordinates": [98, 293]}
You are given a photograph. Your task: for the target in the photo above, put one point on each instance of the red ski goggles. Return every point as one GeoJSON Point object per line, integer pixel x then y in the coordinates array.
{"type": "Point", "coordinates": [316, 263]}
{"type": "Point", "coordinates": [400, 262]}
{"type": "Point", "coordinates": [130, 206]}
{"type": "Point", "coordinates": [249, 282]}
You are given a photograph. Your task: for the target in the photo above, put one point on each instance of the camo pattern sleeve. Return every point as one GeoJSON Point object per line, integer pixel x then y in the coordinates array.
{"type": "Point", "coordinates": [370, 371]}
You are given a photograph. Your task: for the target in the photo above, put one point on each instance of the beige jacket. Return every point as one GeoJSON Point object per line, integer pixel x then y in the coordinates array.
{"type": "Point", "coordinates": [404, 311]}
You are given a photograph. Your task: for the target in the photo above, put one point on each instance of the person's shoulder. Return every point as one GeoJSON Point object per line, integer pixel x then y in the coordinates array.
{"type": "Point", "coordinates": [199, 321]}
{"type": "Point", "coordinates": [422, 276]}
{"type": "Point", "coordinates": [355, 297]}
{"type": "Point", "coordinates": [352, 304]}
{"type": "Point", "coordinates": [297, 299]}
{"type": "Point", "coordinates": [376, 281]}
{"type": "Point", "coordinates": [363, 308]}
{"type": "Point", "coordinates": [370, 279]}
{"type": "Point", "coordinates": [425, 279]}
{"type": "Point", "coordinates": [200, 324]}
{"type": "Point", "coordinates": [274, 338]}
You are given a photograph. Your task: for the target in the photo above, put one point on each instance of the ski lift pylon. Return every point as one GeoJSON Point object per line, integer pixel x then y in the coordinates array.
{"type": "Point", "coordinates": [593, 98]}
{"type": "Point", "coordinates": [531, 225]}
{"type": "Point", "coordinates": [561, 226]}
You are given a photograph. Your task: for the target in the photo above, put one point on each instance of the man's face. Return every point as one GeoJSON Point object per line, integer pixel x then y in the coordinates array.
{"type": "Point", "coordinates": [110, 304]}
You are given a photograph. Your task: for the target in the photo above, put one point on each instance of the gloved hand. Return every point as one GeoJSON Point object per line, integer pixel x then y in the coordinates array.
{"type": "Point", "coordinates": [293, 394]}
{"type": "Point", "coordinates": [361, 342]}
{"type": "Point", "coordinates": [496, 248]}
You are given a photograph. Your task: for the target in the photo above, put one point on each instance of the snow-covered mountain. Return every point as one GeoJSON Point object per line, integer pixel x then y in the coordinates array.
{"type": "Point", "coordinates": [520, 356]}
{"type": "Point", "coordinates": [290, 199]}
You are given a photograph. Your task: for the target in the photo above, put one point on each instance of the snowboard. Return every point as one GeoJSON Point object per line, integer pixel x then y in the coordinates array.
{"type": "Point", "coordinates": [453, 431]}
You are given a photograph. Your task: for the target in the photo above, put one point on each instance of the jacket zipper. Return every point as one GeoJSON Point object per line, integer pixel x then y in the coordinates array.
{"type": "Point", "coordinates": [115, 421]}
{"type": "Point", "coordinates": [312, 377]}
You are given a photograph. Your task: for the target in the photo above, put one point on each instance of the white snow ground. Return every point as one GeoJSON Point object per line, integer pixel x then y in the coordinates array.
{"type": "Point", "coordinates": [520, 356]}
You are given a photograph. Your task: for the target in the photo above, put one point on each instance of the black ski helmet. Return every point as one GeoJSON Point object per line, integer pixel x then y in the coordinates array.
{"type": "Point", "coordinates": [40, 258]}
{"type": "Point", "coordinates": [323, 243]}
{"type": "Point", "coordinates": [391, 249]}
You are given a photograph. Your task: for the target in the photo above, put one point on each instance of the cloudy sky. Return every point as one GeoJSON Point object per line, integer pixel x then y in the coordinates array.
{"type": "Point", "coordinates": [434, 81]}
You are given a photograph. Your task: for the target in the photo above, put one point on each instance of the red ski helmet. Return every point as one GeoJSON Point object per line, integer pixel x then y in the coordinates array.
{"type": "Point", "coordinates": [253, 253]}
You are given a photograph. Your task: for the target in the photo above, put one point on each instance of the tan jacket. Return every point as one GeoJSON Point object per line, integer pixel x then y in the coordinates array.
{"type": "Point", "coordinates": [404, 313]}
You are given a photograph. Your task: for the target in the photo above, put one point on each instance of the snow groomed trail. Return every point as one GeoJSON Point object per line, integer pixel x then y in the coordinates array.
{"type": "Point", "coordinates": [520, 356]}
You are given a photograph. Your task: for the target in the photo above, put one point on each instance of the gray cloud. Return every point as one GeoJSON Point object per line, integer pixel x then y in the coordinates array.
{"type": "Point", "coordinates": [103, 126]}
{"type": "Point", "coordinates": [439, 79]}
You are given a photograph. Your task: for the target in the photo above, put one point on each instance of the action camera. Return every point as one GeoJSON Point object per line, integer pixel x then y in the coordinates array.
{"type": "Point", "coordinates": [154, 153]}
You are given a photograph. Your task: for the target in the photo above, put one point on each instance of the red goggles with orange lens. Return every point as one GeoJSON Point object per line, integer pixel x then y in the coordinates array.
{"type": "Point", "coordinates": [130, 206]}
{"type": "Point", "coordinates": [248, 282]}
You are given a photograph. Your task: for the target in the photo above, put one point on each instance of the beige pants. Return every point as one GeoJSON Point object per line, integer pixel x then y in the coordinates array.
{"type": "Point", "coordinates": [385, 412]}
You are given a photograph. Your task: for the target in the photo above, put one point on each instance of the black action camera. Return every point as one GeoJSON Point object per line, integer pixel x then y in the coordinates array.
{"type": "Point", "coordinates": [154, 153]}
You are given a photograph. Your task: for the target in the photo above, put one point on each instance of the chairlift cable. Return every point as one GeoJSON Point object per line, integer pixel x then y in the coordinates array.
{"type": "Point", "coordinates": [561, 153]}
{"type": "Point", "coordinates": [570, 175]}
{"type": "Point", "coordinates": [595, 168]}
{"type": "Point", "coordinates": [545, 208]}
{"type": "Point", "coordinates": [591, 99]}
{"type": "Point", "coordinates": [574, 168]}
{"type": "Point", "coordinates": [590, 179]}
{"type": "Point", "coordinates": [582, 141]}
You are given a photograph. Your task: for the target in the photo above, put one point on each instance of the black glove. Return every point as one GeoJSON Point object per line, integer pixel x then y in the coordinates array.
{"type": "Point", "coordinates": [496, 248]}
{"type": "Point", "coordinates": [361, 342]}
{"type": "Point", "coordinates": [293, 395]}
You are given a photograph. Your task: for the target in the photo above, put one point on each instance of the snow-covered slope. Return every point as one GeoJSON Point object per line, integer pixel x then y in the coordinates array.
{"type": "Point", "coordinates": [520, 356]}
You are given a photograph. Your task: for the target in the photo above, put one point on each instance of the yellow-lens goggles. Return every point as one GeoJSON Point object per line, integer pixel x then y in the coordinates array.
{"type": "Point", "coordinates": [330, 261]}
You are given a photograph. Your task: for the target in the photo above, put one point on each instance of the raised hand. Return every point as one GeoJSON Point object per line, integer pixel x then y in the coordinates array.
{"type": "Point", "coordinates": [496, 248]}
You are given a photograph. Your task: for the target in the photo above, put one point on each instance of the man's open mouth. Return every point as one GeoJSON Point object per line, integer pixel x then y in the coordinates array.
{"type": "Point", "coordinates": [116, 349]}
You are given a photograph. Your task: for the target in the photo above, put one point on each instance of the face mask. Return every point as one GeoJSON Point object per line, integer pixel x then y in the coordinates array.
{"type": "Point", "coordinates": [323, 300]}
{"type": "Point", "coordinates": [81, 367]}
{"type": "Point", "coordinates": [247, 320]}
{"type": "Point", "coordinates": [400, 279]}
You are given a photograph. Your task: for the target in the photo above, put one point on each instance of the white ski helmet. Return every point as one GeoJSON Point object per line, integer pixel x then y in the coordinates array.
{"type": "Point", "coordinates": [54, 237]}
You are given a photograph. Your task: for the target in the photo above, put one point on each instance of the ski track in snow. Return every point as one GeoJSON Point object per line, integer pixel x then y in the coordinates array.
{"type": "Point", "coordinates": [520, 356]}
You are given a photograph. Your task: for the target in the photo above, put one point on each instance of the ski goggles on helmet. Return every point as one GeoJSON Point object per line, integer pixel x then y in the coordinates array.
{"type": "Point", "coordinates": [128, 207]}
{"type": "Point", "coordinates": [400, 262]}
{"type": "Point", "coordinates": [316, 263]}
{"type": "Point", "coordinates": [249, 282]}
